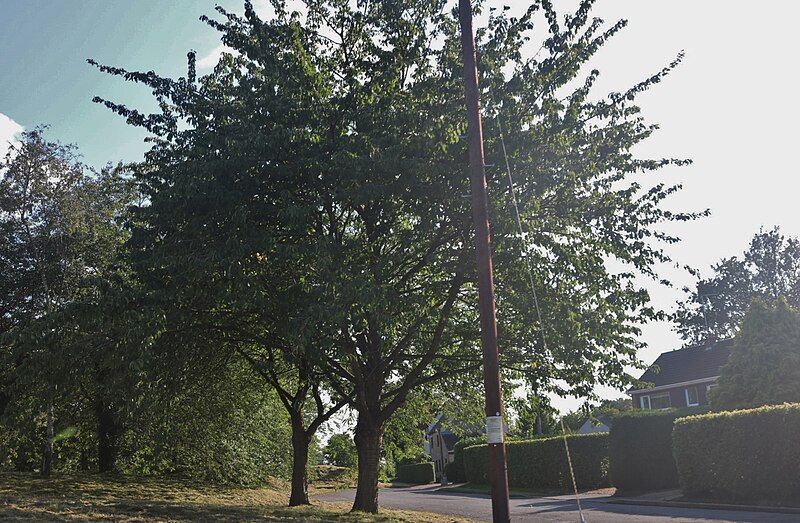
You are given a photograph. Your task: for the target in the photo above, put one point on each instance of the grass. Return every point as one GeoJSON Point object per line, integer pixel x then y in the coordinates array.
{"type": "Point", "coordinates": [331, 477]}
{"type": "Point", "coordinates": [80, 498]}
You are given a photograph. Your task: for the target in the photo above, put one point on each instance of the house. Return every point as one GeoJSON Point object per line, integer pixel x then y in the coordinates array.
{"type": "Point", "coordinates": [440, 443]}
{"type": "Point", "coordinates": [685, 378]}
{"type": "Point", "coordinates": [590, 428]}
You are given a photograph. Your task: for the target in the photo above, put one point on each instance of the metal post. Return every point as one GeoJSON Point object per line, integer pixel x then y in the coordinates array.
{"type": "Point", "coordinates": [498, 477]}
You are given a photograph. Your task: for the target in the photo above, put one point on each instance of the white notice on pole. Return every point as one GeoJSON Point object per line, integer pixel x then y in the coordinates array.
{"type": "Point", "coordinates": [494, 429]}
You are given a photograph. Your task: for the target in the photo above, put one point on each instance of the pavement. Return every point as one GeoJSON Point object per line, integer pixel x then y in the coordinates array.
{"type": "Point", "coordinates": [672, 498]}
{"type": "Point", "coordinates": [599, 507]}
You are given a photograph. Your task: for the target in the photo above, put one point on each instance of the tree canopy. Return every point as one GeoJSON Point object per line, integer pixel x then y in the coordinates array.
{"type": "Point", "coordinates": [768, 270]}
{"type": "Point", "coordinates": [764, 367]}
{"type": "Point", "coordinates": [311, 189]}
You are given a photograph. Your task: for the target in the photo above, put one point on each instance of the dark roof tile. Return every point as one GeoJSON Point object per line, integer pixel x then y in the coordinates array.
{"type": "Point", "coordinates": [689, 364]}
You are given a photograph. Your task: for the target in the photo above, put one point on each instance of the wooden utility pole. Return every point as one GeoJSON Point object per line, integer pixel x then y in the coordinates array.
{"type": "Point", "coordinates": [498, 477]}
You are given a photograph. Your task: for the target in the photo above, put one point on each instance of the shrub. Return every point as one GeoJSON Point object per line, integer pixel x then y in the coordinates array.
{"type": "Point", "coordinates": [641, 449]}
{"type": "Point", "coordinates": [542, 463]}
{"type": "Point", "coordinates": [455, 469]}
{"type": "Point", "coordinates": [418, 473]}
{"type": "Point", "coordinates": [740, 456]}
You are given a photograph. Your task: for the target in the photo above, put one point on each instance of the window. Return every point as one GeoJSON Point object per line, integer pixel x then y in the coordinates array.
{"type": "Point", "coordinates": [658, 401]}
{"type": "Point", "coordinates": [692, 399]}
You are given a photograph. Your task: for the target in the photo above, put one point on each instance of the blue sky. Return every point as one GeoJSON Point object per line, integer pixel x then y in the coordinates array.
{"type": "Point", "coordinates": [46, 80]}
{"type": "Point", "coordinates": [732, 106]}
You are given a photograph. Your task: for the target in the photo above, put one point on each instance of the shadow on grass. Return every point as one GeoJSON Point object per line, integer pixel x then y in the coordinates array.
{"type": "Point", "coordinates": [124, 499]}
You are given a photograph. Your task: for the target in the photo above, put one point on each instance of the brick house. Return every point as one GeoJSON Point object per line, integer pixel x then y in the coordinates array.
{"type": "Point", "coordinates": [686, 377]}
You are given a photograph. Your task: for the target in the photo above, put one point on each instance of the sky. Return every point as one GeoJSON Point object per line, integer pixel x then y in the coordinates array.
{"type": "Point", "coordinates": [731, 106]}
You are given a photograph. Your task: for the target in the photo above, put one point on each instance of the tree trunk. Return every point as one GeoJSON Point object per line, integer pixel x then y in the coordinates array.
{"type": "Point", "coordinates": [300, 442]}
{"type": "Point", "coordinates": [368, 438]}
{"type": "Point", "coordinates": [47, 452]}
{"type": "Point", "coordinates": [108, 432]}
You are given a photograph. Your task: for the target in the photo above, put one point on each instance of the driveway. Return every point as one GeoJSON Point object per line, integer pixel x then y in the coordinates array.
{"type": "Point", "coordinates": [555, 509]}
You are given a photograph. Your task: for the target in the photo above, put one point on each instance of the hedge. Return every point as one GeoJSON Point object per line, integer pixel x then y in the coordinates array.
{"type": "Point", "coordinates": [418, 473]}
{"type": "Point", "coordinates": [741, 456]}
{"type": "Point", "coordinates": [641, 449]}
{"type": "Point", "coordinates": [542, 463]}
{"type": "Point", "coordinates": [455, 470]}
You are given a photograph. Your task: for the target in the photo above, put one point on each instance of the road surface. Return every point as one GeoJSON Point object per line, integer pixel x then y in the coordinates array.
{"type": "Point", "coordinates": [555, 509]}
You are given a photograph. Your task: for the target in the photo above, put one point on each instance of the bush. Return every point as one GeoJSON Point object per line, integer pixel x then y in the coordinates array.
{"type": "Point", "coordinates": [740, 456]}
{"type": "Point", "coordinates": [641, 449]}
{"type": "Point", "coordinates": [455, 469]}
{"type": "Point", "coordinates": [542, 463]}
{"type": "Point", "coordinates": [419, 473]}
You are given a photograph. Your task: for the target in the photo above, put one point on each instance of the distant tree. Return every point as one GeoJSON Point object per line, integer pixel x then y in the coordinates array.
{"type": "Point", "coordinates": [341, 451]}
{"type": "Point", "coordinates": [61, 233]}
{"type": "Point", "coordinates": [769, 270]}
{"type": "Point", "coordinates": [764, 366]}
{"type": "Point", "coordinates": [534, 417]}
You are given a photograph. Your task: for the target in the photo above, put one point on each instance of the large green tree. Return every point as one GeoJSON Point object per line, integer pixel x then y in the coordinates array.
{"type": "Point", "coordinates": [768, 270]}
{"type": "Point", "coordinates": [60, 236]}
{"type": "Point", "coordinates": [764, 367]}
{"type": "Point", "coordinates": [325, 157]}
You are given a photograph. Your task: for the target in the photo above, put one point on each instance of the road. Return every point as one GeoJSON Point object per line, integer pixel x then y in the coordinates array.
{"type": "Point", "coordinates": [555, 509]}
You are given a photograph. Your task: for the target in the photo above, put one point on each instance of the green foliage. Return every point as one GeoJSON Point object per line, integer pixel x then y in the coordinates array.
{"type": "Point", "coordinates": [61, 245]}
{"type": "Point", "coordinates": [417, 473]}
{"type": "Point", "coordinates": [227, 430]}
{"type": "Point", "coordinates": [764, 366]}
{"type": "Point", "coordinates": [542, 463]}
{"type": "Point", "coordinates": [742, 456]}
{"type": "Point", "coordinates": [308, 193]}
{"type": "Point", "coordinates": [341, 451]}
{"type": "Point", "coordinates": [402, 438]}
{"type": "Point", "coordinates": [641, 450]}
{"type": "Point", "coordinates": [456, 469]}
{"type": "Point", "coordinates": [527, 411]}
{"type": "Point", "coordinates": [768, 270]}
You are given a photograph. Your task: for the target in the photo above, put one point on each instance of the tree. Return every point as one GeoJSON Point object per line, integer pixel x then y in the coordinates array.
{"type": "Point", "coordinates": [327, 153]}
{"type": "Point", "coordinates": [768, 270]}
{"type": "Point", "coordinates": [60, 236]}
{"type": "Point", "coordinates": [764, 366]}
{"type": "Point", "coordinates": [535, 417]}
{"type": "Point", "coordinates": [341, 451]}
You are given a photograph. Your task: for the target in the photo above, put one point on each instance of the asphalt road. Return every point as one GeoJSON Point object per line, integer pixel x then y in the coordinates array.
{"type": "Point", "coordinates": [556, 509]}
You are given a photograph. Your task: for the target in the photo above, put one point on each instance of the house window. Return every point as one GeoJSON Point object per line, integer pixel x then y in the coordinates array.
{"type": "Point", "coordinates": [656, 401]}
{"type": "Point", "coordinates": [692, 399]}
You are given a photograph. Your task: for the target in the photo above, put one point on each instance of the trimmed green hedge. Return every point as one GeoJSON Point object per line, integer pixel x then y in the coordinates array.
{"type": "Point", "coordinates": [641, 449]}
{"type": "Point", "coordinates": [741, 456]}
{"type": "Point", "coordinates": [455, 469]}
{"type": "Point", "coordinates": [418, 473]}
{"type": "Point", "coordinates": [542, 463]}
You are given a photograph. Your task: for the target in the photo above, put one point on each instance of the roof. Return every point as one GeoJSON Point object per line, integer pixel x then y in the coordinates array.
{"type": "Point", "coordinates": [590, 428]}
{"type": "Point", "coordinates": [689, 364]}
{"type": "Point", "coordinates": [450, 440]}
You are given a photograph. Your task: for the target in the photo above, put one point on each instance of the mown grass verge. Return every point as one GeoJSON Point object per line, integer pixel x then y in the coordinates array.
{"type": "Point", "coordinates": [76, 498]}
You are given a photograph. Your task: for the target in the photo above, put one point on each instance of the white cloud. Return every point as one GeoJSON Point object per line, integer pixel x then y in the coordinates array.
{"type": "Point", "coordinates": [9, 131]}
{"type": "Point", "coordinates": [210, 60]}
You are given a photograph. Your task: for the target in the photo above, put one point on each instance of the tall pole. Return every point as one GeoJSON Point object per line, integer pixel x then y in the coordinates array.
{"type": "Point", "coordinates": [498, 477]}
